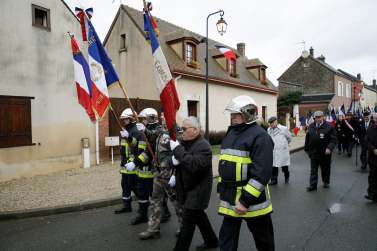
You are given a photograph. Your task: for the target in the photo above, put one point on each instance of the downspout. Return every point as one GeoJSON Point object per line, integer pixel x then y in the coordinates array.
{"type": "Point", "coordinates": [97, 143]}
{"type": "Point", "coordinates": [176, 82]}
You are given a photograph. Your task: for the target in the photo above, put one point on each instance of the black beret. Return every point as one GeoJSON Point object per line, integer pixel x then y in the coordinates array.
{"type": "Point", "coordinates": [272, 119]}
{"type": "Point", "coordinates": [366, 113]}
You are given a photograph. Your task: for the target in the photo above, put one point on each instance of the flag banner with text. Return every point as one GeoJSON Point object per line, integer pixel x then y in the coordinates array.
{"type": "Point", "coordinates": [84, 22]}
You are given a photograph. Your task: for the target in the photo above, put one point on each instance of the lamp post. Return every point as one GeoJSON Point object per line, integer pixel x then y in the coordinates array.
{"type": "Point", "coordinates": [354, 98]}
{"type": "Point", "coordinates": [221, 28]}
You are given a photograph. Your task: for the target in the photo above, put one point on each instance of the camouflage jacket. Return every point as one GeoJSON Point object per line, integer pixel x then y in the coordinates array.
{"type": "Point", "coordinates": [161, 138]}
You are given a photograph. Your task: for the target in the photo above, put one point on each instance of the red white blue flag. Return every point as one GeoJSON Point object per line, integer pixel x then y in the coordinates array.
{"type": "Point", "coordinates": [84, 22]}
{"type": "Point", "coordinates": [228, 54]}
{"type": "Point", "coordinates": [332, 117]}
{"type": "Point", "coordinates": [165, 83]}
{"type": "Point", "coordinates": [358, 98]}
{"type": "Point", "coordinates": [155, 28]}
{"type": "Point", "coordinates": [342, 111]}
{"type": "Point", "coordinates": [83, 82]}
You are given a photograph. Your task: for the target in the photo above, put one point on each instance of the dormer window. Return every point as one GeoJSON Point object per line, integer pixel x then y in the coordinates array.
{"type": "Point", "coordinates": [262, 74]}
{"type": "Point", "coordinates": [232, 66]}
{"type": "Point", "coordinates": [189, 53]}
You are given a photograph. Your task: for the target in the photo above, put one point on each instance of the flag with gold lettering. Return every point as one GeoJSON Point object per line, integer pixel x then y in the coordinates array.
{"type": "Point", "coordinates": [165, 83]}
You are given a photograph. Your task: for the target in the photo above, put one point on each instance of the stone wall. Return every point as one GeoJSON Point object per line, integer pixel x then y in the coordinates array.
{"type": "Point", "coordinates": [316, 78]}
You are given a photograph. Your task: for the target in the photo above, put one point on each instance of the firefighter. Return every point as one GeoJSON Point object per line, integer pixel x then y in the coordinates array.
{"type": "Point", "coordinates": [129, 178]}
{"type": "Point", "coordinates": [245, 167]}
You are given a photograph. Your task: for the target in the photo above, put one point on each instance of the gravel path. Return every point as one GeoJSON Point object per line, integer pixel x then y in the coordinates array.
{"type": "Point", "coordinates": [62, 188]}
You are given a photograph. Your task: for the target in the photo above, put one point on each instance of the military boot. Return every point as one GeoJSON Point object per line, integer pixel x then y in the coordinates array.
{"type": "Point", "coordinates": [148, 235]}
{"type": "Point", "coordinates": [166, 215]}
{"type": "Point", "coordinates": [126, 208]}
{"type": "Point", "coordinates": [141, 217]}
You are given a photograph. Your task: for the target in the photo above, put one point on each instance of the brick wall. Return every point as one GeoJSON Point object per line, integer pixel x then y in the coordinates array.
{"type": "Point", "coordinates": [316, 78]}
{"type": "Point", "coordinates": [103, 130]}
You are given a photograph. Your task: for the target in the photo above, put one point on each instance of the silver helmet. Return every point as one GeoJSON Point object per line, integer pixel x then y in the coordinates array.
{"type": "Point", "coordinates": [150, 114]}
{"type": "Point", "coordinates": [244, 105]}
{"type": "Point", "coordinates": [128, 114]}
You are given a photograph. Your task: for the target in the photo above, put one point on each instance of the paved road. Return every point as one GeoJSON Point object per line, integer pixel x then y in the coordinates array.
{"type": "Point", "coordinates": [301, 219]}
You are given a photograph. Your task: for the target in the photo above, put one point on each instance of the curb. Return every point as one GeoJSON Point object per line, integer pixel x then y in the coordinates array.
{"type": "Point", "coordinates": [71, 208]}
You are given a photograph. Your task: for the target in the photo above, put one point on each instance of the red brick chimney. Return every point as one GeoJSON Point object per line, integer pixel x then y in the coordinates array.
{"type": "Point", "coordinates": [374, 83]}
{"type": "Point", "coordinates": [322, 58]}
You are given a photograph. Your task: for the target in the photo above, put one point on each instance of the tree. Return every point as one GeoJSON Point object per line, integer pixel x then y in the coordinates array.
{"type": "Point", "coordinates": [289, 98]}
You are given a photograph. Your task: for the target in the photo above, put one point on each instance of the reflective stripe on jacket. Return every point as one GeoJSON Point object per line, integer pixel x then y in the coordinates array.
{"type": "Point", "coordinates": [245, 167]}
{"type": "Point", "coordinates": [125, 150]}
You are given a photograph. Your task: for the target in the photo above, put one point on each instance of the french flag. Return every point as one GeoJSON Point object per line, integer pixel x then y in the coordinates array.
{"type": "Point", "coordinates": [332, 117]}
{"type": "Point", "coordinates": [295, 131]}
{"type": "Point", "coordinates": [83, 81]}
{"type": "Point", "coordinates": [228, 54]}
{"type": "Point", "coordinates": [342, 112]}
{"type": "Point", "coordinates": [84, 22]}
{"type": "Point", "coordinates": [358, 98]}
{"type": "Point", "coordinates": [165, 83]}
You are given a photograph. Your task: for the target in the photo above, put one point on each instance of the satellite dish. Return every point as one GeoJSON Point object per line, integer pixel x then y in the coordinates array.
{"type": "Point", "coordinates": [305, 54]}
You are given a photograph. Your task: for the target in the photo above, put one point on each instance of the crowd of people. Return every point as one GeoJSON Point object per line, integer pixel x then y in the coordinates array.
{"type": "Point", "coordinates": [251, 155]}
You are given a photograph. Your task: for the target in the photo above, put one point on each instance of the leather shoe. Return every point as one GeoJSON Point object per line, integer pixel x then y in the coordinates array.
{"type": "Point", "coordinates": [339, 152]}
{"type": "Point", "coordinates": [287, 180]}
{"type": "Point", "coordinates": [271, 183]}
{"type": "Point", "coordinates": [370, 198]}
{"type": "Point", "coordinates": [204, 246]}
{"type": "Point", "coordinates": [326, 185]}
{"type": "Point", "coordinates": [311, 188]}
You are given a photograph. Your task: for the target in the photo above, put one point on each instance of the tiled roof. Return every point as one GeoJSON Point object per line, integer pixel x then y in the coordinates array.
{"type": "Point", "coordinates": [252, 63]}
{"type": "Point", "coordinates": [169, 31]}
{"type": "Point", "coordinates": [370, 87]}
{"type": "Point", "coordinates": [340, 73]}
{"type": "Point", "coordinates": [181, 33]}
{"type": "Point", "coordinates": [317, 98]}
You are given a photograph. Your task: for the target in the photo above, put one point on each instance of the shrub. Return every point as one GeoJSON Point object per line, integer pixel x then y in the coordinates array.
{"type": "Point", "coordinates": [215, 137]}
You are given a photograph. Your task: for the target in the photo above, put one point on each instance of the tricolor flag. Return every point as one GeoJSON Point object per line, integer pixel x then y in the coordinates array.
{"type": "Point", "coordinates": [358, 98]}
{"type": "Point", "coordinates": [84, 22]}
{"type": "Point", "coordinates": [342, 112]}
{"type": "Point", "coordinates": [156, 31]}
{"type": "Point", "coordinates": [350, 109]}
{"type": "Point", "coordinates": [83, 82]}
{"type": "Point", "coordinates": [228, 54]}
{"type": "Point", "coordinates": [165, 83]}
{"type": "Point", "coordinates": [297, 127]}
{"type": "Point", "coordinates": [309, 118]}
{"type": "Point", "coordinates": [332, 118]}
{"type": "Point", "coordinates": [302, 122]}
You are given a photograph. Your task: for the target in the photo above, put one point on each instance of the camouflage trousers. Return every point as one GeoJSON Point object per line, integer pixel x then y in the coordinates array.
{"type": "Point", "coordinates": [161, 190]}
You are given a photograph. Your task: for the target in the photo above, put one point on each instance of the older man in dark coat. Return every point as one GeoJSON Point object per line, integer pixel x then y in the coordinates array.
{"type": "Point", "coordinates": [193, 161]}
{"type": "Point", "coordinates": [371, 143]}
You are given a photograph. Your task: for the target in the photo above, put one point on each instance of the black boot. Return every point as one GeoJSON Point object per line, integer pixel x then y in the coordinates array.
{"type": "Point", "coordinates": [141, 217]}
{"type": "Point", "coordinates": [126, 208]}
{"type": "Point", "coordinates": [274, 176]}
{"type": "Point", "coordinates": [166, 215]}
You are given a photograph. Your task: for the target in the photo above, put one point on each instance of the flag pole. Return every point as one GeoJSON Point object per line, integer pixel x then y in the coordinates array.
{"type": "Point", "coordinates": [128, 101]}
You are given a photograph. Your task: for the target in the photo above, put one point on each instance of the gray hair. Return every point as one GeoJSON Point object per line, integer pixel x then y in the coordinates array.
{"type": "Point", "coordinates": [193, 122]}
{"type": "Point", "coordinates": [260, 119]}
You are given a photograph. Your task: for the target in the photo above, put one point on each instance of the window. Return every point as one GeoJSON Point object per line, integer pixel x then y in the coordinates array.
{"type": "Point", "coordinates": [15, 122]}
{"type": "Point", "coordinates": [306, 64]}
{"type": "Point", "coordinates": [123, 42]}
{"type": "Point", "coordinates": [189, 53]}
{"type": "Point", "coordinates": [348, 91]}
{"type": "Point", "coordinates": [192, 108]}
{"type": "Point", "coordinates": [262, 74]}
{"type": "Point", "coordinates": [232, 66]}
{"type": "Point", "coordinates": [41, 17]}
{"type": "Point", "coordinates": [340, 89]}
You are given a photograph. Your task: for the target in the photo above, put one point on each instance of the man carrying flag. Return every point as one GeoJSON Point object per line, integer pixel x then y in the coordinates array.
{"type": "Point", "coordinates": [83, 81]}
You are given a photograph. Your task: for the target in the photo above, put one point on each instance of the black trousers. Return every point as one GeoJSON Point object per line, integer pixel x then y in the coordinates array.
{"type": "Point", "coordinates": [144, 191]}
{"type": "Point", "coordinates": [325, 171]}
{"type": "Point", "coordinates": [191, 219]}
{"type": "Point", "coordinates": [129, 182]}
{"type": "Point", "coordinates": [341, 142]}
{"type": "Point", "coordinates": [363, 155]}
{"type": "Point", "coordinates": [275, 173]}
{"type": "Point", "coordinates": [351, 144]}
{"type": "Point", "coordinates": [372, 181]}
{"type": "Point", "coordinates": [261, 228]}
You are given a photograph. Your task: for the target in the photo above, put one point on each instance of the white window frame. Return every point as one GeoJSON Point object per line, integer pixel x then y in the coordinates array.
{"type": "Point", "coordinates": [340, 89]}
{"type": "Point", "coordinates": [348, 91]}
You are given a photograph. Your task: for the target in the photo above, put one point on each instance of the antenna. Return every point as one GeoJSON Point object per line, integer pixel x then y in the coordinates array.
{"type": "Point", "coordinates": [120, 12]}
{"type": "Point", "coordinates": [303, 42]}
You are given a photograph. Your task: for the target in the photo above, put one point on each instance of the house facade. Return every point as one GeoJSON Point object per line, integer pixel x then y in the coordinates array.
{"type": "Point", "coordinates": [185, 54]}
{"type": "Point", "coordinates": [41, 123]}
{"type": "Point", "coordinates": [323, 86]}
{"type": "Point", "coordinates": [369, 96]}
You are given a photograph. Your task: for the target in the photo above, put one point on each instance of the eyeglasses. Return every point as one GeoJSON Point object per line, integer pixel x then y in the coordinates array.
{"type": "Point", "coordinates": [185, 129]}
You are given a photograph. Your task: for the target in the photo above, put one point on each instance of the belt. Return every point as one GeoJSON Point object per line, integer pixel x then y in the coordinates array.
{"type": "Point", "coordinates": [234, 184]}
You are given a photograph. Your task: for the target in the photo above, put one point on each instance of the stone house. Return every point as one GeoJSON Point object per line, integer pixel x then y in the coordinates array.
{"type": "Point", "coordinates": [323, 86]}
{"type": "Point", "coordinates": [132, 56]}
{"type": "Point", "coordinates": [41, 121]}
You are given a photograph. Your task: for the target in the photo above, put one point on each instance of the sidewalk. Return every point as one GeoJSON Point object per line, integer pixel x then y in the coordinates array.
{"type": "Point", "coordinates": [73, 190]}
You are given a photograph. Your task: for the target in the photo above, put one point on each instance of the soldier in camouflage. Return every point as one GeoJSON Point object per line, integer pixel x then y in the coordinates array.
{"type": "Point", "coordinates": [164, 180]}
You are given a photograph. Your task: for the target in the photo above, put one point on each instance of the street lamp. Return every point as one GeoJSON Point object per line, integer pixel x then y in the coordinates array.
{"type": "Point", "coordinates": [221, 28]}
{"type": "Point", "coordinates": [354, 99]}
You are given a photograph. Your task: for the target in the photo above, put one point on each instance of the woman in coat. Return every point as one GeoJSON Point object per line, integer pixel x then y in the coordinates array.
{"type": "Point", "coordinates": [281, 137]}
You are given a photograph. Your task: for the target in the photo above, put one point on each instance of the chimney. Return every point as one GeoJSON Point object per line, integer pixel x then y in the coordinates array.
{"type": "Point", "coordinates": [358, 76]}
{"type": "Point", "coordinates": [241, 48]}
{"type": "Point", "coordinates": [322, 58]}
{"type": "Point", "coordinates": [374, 83]}
{"type": "Point", "coordinates": [311, 51]}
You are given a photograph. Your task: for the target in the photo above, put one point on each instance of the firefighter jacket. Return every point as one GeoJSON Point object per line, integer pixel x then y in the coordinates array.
{"type": "Point", "coordinates": [144, 159]}
{"type": "Point", "coordinates": [134, 137]}
{"type": "Point", "coordinates": [245, 167]}
{"type": "Point", "coordinates": [160, 137]}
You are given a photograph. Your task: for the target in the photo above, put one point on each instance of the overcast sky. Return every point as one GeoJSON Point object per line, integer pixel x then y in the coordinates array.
{"type": "Point", "coordinates": [344, 31]}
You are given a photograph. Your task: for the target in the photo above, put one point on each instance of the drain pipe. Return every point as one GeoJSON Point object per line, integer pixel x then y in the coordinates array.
{"type": "Point", "coordinates": [97, 143]}
{"type": "Point", "coordinates": [176, 81]}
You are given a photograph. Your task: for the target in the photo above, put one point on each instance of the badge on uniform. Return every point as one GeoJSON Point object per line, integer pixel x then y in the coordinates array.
{"type": "Point", "coordinates": [165, 138]}
{"type": "Point", "coordinates": [322, 135]}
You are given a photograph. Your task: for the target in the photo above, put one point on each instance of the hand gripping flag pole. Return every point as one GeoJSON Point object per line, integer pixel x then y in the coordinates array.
{"type": "Point", "coordinates": [125, 95]}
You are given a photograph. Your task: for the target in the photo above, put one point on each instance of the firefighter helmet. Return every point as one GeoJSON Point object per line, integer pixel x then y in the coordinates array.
{"type": "Point", "coordinates": [150, 114]}
{"type": "Point", "coordinates": [128, 114]}
{"type": "Point", "coordinates": [244, 105]}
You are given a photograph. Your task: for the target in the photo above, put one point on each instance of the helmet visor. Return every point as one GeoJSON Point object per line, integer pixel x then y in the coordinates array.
{"type": "Point", "coordinates": [231, 108]}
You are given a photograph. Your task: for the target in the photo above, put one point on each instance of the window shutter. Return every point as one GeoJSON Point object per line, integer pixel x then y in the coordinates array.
{"type": "Point", "coordinates": [19, 121]}
{"type": "Point", "coordinates": [3, 122]}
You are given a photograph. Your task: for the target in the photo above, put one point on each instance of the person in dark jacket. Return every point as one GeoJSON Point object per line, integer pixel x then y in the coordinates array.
{"type": "Point", "coordinates": [371, 143]}
{"type": "Point", "coordinates": [339, 132]}
{"type": "Point", "coordinates": [260, 122]}
{"type": "Point", "coordinates": [349, 128]}
{"type": "Point", "coordinates": [362, 130]}
{"type": "Point", "coordinates": [193, 160]}
{"type": "Point", "coordinates": [320, 141]}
